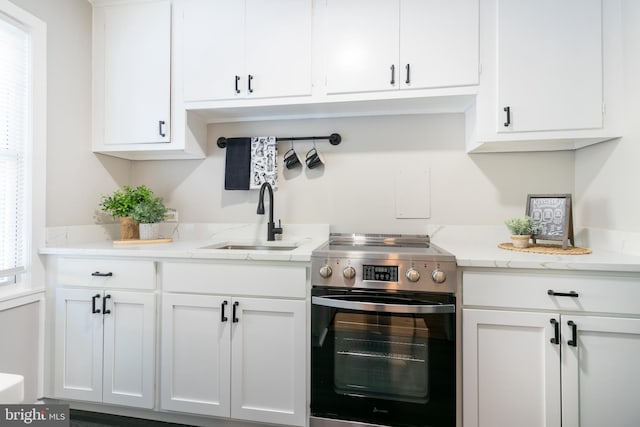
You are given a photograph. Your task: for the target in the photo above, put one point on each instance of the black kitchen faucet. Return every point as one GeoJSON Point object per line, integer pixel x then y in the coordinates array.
{"type": "Point", "coordinates": [272, 230]}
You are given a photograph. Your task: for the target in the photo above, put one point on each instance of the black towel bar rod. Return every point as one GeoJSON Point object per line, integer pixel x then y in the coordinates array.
{"type": "Point", "coordinates": [334, 139]}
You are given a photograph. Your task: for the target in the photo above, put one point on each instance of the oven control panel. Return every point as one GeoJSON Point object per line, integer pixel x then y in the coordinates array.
{"type": "Point", "coordinates": [427, 276]}
{"type": "Point", "coordinates": [383, 273]}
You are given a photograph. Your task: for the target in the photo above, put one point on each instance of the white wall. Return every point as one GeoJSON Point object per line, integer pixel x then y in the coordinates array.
{"type": "Point", "coordinates": [20, 345]}
{"type": "Point", "coordinates": [607, 174]}
{"type": "Point", "coordinates": [355, 192]}
{"type": "Point", "coordinates": [76, 178]}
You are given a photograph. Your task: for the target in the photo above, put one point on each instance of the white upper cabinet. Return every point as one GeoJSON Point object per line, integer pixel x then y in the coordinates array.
{"type": "Point", "coordinates": [362, 45]}
{"type": "Point", "coordinates": [439, 43]}
{"type": "Point", "coordinates": [245, 49]}
{"type": "Point", "coordinates": [551, 73]}
{"type": "Point", "coordinates": [382, 45]}
{"type": "Point", "coordinates": [555, 45]}
{"type": "Point", "coordinates": [135, 40]}
{"type": "Point", "coordinates": [212, 48]}
{"type": "Point", "coordinates": [138, 113]}
{"type": "Point", "coordinates": [278, 47]}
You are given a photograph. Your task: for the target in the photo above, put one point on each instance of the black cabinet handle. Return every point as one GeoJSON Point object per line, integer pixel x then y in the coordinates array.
{"type": "Point", "coordinates": [556, 332]}
{"type": "Point", "coordinates": [161, 128]}
{"type": "Point", "coordinates": [234, 319]}
{"type": "Point", "coordinates": [94, 310]}
{"type": "Point", "coordinates": [104, 304]}
{"type": "Point", "coordinates": [508, 111]}
{"type": "Point", "coordinates": [573, 342]}
{"type": "Point", "coordinates": [237, 80]}
{"type": "Point", "coordinates": [249, 84]}
{"type": "Point", "coordinates": [98, 274]}
{"type": "Point", "coordinates": [393, 74]}
{"type": "Point", "coordinates": [408, 67]}
{"type": "Point", "coordinates": [572, 294]}
{"type": "Point", "coordinates": [223, 318]}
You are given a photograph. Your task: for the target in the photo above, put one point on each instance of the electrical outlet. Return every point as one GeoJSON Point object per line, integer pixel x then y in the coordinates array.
{"type": "Point", "coordinates": [171, 215]}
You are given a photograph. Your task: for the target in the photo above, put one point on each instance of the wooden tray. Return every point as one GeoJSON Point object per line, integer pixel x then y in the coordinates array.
{"type": "Point", "coordinates": [142, 242]}
{"type": "Point", "coordinates": [541, 248]}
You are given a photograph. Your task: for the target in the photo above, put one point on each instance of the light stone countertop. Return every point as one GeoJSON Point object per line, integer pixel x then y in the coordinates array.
{"type": "Point", "coordinates": [476, 246]}
{"type": "Point", "coordinates": [473, 246]}
{"type": "Point", "coordinates": [189, 241]}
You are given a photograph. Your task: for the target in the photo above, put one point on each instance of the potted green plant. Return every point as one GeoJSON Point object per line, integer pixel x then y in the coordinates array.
{"type": "Point", "coordinates": [149, 214]}
{"type": "Point", "coordinates": [521, 231]}
{"type": "Point", "coordinates": [120, 204]}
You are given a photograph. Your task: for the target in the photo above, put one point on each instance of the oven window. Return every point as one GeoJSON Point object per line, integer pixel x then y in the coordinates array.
{"type": "Point", "coordinates": [383, 368]}
{"type": "Point", "coordinates": [381, 356]}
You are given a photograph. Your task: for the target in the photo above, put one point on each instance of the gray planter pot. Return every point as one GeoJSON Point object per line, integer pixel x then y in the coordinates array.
{"type": "Point", "coordinates": [149, 231]}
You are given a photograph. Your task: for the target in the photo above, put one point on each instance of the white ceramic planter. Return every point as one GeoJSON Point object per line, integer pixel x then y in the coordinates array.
{"type": "Point", "coordinates": [149, 231]}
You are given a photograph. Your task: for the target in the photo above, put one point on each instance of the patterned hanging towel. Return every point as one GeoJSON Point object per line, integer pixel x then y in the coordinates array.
{"type": "Point", "coordinates": [264, 152]}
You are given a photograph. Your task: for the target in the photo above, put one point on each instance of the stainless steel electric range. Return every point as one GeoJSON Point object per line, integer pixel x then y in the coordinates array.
{"type": "Point", "coordinates": [383, 316]}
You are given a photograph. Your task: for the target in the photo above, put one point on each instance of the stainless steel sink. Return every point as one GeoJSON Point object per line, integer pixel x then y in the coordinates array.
{"type": "Point", "coordinates": [243, 247]}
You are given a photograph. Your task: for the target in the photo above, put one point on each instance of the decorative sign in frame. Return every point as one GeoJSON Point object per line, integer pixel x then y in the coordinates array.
{"type": "Point", "coordinates": [552, 213]}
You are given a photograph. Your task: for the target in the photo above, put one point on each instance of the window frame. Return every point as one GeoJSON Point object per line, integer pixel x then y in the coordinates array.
{"type": "Point", "coordinates": [33, 279]}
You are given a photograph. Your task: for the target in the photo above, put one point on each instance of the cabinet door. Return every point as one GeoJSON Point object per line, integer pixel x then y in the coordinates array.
{"type": "Point", "coordinates": [268, 367]}
{"type": "Point", "coordinates": [213, 48]}
{"type": "Point", "coordinates": [137, 47]}
{"type": "Point", "coordinates": [196, 375]}
{"type": "Point", "coordinates": [361, 52]}
{"type": "Point", "coordinates": [78, 345]}
{"type": "Point", "coordinates": [129, 345]}
{"type": "Point", "coordinates": [600, 374]}
{"type": "Point", "coordinates": [511, 369]}
{"type": "Point", "coordinates": [549, 64]}
{"type": "Point", "coordinates": [278, 47]}
{"type": "Point", "coordinates": [439, 42]}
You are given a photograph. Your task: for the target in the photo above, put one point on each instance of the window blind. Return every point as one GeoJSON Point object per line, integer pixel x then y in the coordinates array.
{"type": "Point", "coordinates": [14, 120]}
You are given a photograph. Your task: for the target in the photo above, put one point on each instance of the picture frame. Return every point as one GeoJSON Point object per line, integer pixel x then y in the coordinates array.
{"type": "Point", "coordinates": [553, 215]}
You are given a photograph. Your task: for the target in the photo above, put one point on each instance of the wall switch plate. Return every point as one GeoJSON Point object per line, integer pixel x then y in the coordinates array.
{"type": "Point", "coordinates": [171, 215]}
{"type": "Point", "coordinates": [413, 193]}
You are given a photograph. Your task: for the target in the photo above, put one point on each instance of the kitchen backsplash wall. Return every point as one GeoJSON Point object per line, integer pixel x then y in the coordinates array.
{"type": "Point", "coordinates": [607, 174]}
{"type": "Point", "coordinates": [356, 190]}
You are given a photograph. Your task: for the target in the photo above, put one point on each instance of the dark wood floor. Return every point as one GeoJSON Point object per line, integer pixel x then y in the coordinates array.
{"type": "Point", "coordinates": [95, 419]}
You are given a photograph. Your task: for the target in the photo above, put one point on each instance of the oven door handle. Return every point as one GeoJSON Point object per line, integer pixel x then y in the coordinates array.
{"type": "Point", "coordinates": [384, 308]}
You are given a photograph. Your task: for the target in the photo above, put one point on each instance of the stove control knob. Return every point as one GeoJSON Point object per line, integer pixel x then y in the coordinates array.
{"type": "Point", "coordinates": [325, 271]}
{"type": "Point", "coordinates": [349, 272]}
{"type": "Point", "coordinates": [438, 276]}
{"type": "Point", "coordinates": [412, 275]}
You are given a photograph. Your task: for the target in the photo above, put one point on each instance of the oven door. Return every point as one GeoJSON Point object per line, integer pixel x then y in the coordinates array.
{"type": "Point", "coordinates": [383, 357]}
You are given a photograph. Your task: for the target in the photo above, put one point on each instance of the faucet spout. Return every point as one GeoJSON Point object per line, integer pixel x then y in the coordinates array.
{"type": "Point", "coordinates": [272, 230]}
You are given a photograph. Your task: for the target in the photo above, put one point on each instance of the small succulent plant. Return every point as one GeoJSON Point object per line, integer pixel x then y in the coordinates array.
{"type": "Point", "coordinates": [522, 226]}
{"type": "Point", "coordinates": [149, 211]}
{"type": "Point", "coordinates": [122, 202]}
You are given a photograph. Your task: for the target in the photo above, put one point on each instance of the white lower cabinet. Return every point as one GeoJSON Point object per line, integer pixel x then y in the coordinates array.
{"type": "Point", "coordinates": [511, 371]}
{"type": "Point", "coordinates": [551, 365]}
{"type": "Point", "coordinates": [237, 357]}
{"type": "Point", "coordinates": [601, 373]}
{"type": "Point", "coordinates": [104, 346]}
